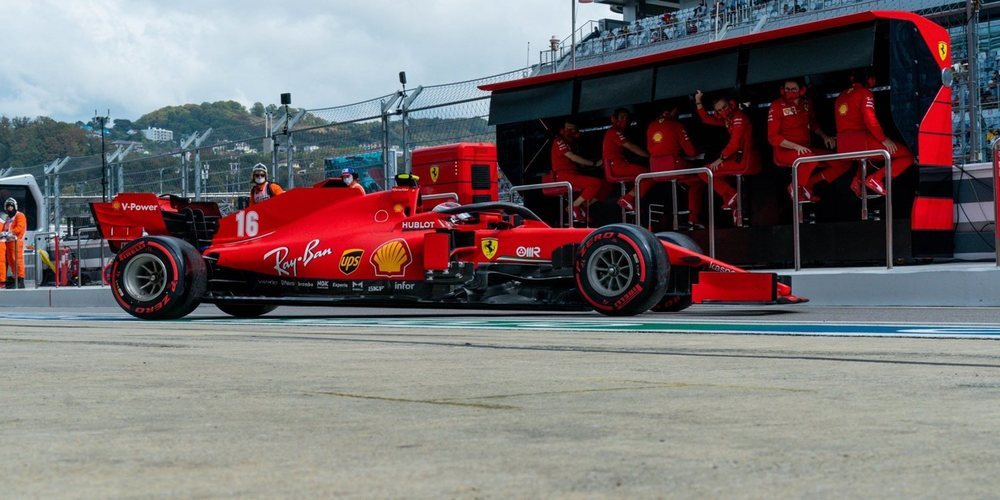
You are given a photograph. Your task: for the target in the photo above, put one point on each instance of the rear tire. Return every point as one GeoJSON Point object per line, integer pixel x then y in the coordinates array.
{"type": "Point", "coordinates": [158, 277]}
{"type": "Point", "coordinates": [677, 302]}
{"type": "Point", "coordinates": [238, 310]}
{"type": "Point", "coordinates": [621, 270]}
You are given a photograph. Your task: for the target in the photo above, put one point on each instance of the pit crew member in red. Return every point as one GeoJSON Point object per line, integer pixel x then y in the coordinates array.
{"type": "Point", "coordinates": [566, 166]}
{"type": "Point", "coordinates": [262, 189]}
{"type": "Point", "coordinates": [14, 226]}
{"type": "Point", "coordinates": [615, 161]}
{"type": "Point", "coordinates": [858, 129]}
{"type": "Point", "coordinates": [669, 147]}
{"type": "Point", "coordinates": [738, 156]}
{"type": "Point", "coordinates": [791, 121]}
{"type": "Point", "coordinates": [350, 178]}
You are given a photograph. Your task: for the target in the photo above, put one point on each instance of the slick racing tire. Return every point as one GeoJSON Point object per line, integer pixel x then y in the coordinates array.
{"type": "Point", "coordinates": [158, 277]}
{"type": "Point", "coordinates": [238, 310]}
{"type": "Point", "coordinates": [671, 302]}
{"type": "Point", "coordinates": [621, 270]}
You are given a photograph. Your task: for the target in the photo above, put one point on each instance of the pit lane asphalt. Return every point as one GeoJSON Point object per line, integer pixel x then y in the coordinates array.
{"type": "Point", "coordinates": [421, 403]}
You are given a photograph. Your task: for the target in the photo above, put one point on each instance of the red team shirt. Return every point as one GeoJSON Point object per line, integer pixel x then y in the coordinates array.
{"type": "Point", "coordinates": [560, 163]}
{"type": "Point", "coordinates": [855, 112]}
{"type": "Point", "coordinates": [789, 121]}
{"type": "Point", "coordinates": [666, 137]}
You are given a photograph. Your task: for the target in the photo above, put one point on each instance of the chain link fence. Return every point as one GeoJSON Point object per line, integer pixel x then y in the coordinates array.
{"type": "Point", "coordinates": [215, 164]}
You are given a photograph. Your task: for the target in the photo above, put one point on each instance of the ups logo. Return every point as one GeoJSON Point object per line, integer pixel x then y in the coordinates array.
{"type": "Point", "coordinates": [350, 260]}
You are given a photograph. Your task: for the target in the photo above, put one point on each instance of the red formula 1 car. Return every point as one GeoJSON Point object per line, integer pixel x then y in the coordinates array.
{"type": "Point", "coordinates": [327, 246]}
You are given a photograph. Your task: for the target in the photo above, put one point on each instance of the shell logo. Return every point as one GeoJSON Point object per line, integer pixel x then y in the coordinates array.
{"type": "Point", "coordinates": [658, 137]}
{"type": "Point", "coordinates": [842, 109]}
{"type": "Point", "coordinates": [116, 205]}
{"type": "Point", "coordinates": [391, 258]}
{"type": "Point", "coordinates": [435, 170]}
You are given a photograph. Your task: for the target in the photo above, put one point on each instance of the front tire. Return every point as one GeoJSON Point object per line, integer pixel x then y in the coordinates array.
{"type": "Point", "coordinates": [621, 270]}
{"type": "Point", "coordinates": [158, 277]}
{"type": "Point", "coordinates": [245, 310]}
{"type": "Point", "coordinates": [673, 302]}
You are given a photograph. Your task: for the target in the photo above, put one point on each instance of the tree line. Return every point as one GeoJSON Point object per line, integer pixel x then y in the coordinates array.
{"type": "Point", "coordinates": [31, 141]}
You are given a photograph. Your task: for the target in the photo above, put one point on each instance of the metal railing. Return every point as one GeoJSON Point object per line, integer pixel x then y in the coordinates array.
{"type": "Point", "coordinates": [857, 155]}
{"type": "Point", "coordinates": [440, 196]}
{"type": "Point", "coordinates": [79, 254]}
{"type": "Point", "coordinates": [565, 185]}
{"type": "Point", "coordinates": [38, 256]}
{"type": "Point", "coordinates": [678, 173]}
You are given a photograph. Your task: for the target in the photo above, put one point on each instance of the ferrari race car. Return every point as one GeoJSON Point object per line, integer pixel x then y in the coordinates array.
{"type": "Point", "coordinates": [326, 245]}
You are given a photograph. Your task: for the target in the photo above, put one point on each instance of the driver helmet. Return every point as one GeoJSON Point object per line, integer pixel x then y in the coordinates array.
{"type": "Point", "coordinates": [348, 175]}
{"type": "Point", "coordinates": [259, 173]}
{"type": "Point", "coordinates": [461, 216]}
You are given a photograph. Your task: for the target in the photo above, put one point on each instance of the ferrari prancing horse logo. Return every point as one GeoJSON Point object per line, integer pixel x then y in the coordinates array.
{"type": "Point", "coordinates": [943, 50]}
{"type": "Point", "coordinates": [489, 247]}
{"type": "Point", "coordinates": [434, 173]}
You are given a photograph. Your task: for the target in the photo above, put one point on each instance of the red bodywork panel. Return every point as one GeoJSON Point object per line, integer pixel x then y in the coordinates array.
{"type": "Point", "coordinates": [466, 169]}
{"type": "Point", "coordinates": [131, 215]}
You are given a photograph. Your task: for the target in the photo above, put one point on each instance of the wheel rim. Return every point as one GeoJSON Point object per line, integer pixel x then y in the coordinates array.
{"type": "Point", "coordinates": [610, 271]}
{"type": "Point", "coordinates": [145, 277]}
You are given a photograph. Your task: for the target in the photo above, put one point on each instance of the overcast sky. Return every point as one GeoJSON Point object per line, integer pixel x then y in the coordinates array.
{"type": "Point", "coordinates": [66, 58]}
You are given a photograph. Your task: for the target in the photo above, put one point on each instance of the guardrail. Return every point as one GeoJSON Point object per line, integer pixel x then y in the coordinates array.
{"type": "Point", "coordinates": [857, 155]}
{"type": "Point", "coordinates": [678, 173]}
{"type": "Point", "coordinates": [565, 185]}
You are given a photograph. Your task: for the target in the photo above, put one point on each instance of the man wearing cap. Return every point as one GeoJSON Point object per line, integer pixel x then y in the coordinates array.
{"type": "Point", "coordinates": [260, 188]}
{"type": "Point", "coordinates": [350, 179]}
{"type": "Point", "coordinates": [14, 226]}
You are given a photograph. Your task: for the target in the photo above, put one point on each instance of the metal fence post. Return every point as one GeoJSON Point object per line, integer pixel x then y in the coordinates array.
{"type": "Point", "coordinates": [405, 108]}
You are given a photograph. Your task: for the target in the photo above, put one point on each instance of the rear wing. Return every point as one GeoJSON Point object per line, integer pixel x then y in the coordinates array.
{"type": "Point", "coordinates": [132, 215]}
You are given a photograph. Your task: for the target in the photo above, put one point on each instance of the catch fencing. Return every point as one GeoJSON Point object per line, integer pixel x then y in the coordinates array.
{"type": "Point", "coordinates": [300, 148]}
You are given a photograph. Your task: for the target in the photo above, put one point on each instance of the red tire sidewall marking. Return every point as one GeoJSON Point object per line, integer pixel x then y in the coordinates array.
{"type": "Point", "coordinates": [168, 295]}
{"type": "Point", "coordinates": [610, 303]}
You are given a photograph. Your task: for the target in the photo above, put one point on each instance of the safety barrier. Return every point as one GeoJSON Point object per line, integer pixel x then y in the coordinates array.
{"type": "Point", "coordinates": [858, 155]}
{"type": "Point", "coordinates": [546, 185]}
{"type": "Point", "coordinates": [677, 173]}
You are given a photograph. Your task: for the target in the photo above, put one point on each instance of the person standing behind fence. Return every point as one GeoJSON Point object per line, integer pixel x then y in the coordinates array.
{"type": "Point", "coordinates": [261, 189]}
{"type": "Point", "coordinates": [12, 235]}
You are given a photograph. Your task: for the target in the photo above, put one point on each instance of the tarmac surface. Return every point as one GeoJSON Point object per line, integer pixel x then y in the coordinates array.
{"type": "Point", "coordinates": [796, 401]}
